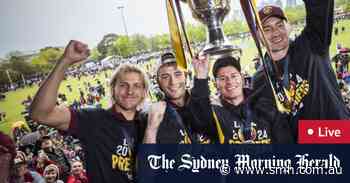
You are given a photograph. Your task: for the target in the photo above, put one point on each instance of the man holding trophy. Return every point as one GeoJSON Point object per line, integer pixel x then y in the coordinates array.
{"type": "Point", "coordinates": [297, 77]}
{"type": "Point", "coordinates": [233, 103]}
{"type": "Point", "coordinates": [302, 67]}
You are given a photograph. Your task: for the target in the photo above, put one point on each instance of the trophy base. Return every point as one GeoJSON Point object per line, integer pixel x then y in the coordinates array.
{"type": "Point", "coordinates": [218, 51]}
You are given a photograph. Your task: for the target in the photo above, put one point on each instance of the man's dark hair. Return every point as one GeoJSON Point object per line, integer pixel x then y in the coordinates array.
{"type": "Point", "coordinates": [43, 139]}
{"type": "Point", "coordinates": [225, 61]}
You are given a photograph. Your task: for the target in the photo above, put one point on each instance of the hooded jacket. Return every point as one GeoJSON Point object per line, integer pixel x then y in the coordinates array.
{"type": "Point", "coordinates": [311, 79]}
{"type": "Point", "coordinates": [248, 122]}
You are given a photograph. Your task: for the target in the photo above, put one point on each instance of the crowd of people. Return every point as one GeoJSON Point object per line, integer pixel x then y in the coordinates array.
{"type": "Point", "coordinates": [43, 155]}
{"type": "Point", "coordinates": [48, 158]}
{"type": "Point", "coordinates": [341, 62]}
{"type": "Point", "coordinates": [294, 81]}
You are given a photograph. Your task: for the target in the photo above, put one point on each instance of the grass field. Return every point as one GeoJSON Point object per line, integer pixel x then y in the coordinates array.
{"type": "Point", "coordinates": [13, 107]}
{"type": "Point", "coordinates": [13, 102]}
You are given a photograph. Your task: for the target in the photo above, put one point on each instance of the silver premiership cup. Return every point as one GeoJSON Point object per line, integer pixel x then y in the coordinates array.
{"type": "Point", "coordinates": [212, 13]}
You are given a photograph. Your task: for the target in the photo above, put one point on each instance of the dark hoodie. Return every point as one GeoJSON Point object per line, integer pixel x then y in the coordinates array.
{"type": "Point", "coordinates": [309, 71]}
{"type": "Point", "coordinates": [249, 122]}
{"type": "Point", "coordinates": [176, 127]}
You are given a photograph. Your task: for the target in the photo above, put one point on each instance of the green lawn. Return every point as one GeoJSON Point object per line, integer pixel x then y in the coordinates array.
{"type": "Point", "coordinates": [343, 37]}
{"type": "Point", "coordinates": [13, 107]}
{"type": "Point", "coordinates": [13, 102]}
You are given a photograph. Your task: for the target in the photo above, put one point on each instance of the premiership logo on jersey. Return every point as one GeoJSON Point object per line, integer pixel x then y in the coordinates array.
{"type": "Point", "coordinates": [122, 159]}
{"type": "Point", "coordinates": [199, 138]}
{"type": "Point", "coordinates": [298, 89]}
{"type": "Point", "coordinates": [185, 137]}
{"type": "Point", "coordinates": [257, 136]}
{"type": "Point", "coordinates": [202, 139]}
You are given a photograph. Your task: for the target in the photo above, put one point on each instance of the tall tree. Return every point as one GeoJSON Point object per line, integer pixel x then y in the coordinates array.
{"type": "Point", "coordinates": [106, 43]}
{"type": "Point", "coordinates": [159, 41]}
{"type": "Point", "coordinates": [124, 46]}
{"type": "Point", "coordinates": [141, 42]}
{"type": "Point", "coordinates": [196, 33]}
{"type": "Point", "coordinates": [95, 54]}
{"type": "Point", "coordinates": [47, 58]}
{"type": "Point", "coordinates": [20, 66]}
{"type": "Point", "coordinates": [16, 67]}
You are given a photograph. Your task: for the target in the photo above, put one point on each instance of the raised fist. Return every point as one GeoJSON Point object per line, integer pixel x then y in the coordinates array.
{"type": "Point", "coordinates": [201, 66]}
{"type": "Point", "coordinates": [75, 52]}
{"type": "Point", "coordinates": [156, 115]}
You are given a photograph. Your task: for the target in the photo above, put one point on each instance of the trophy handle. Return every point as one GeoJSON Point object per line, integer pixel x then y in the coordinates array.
{"type": "Point", "coordinates": [182, 22]}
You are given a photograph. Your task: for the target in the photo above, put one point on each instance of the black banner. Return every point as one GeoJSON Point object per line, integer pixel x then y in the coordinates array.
{"type": "Point", "coordinates": [248, 163]}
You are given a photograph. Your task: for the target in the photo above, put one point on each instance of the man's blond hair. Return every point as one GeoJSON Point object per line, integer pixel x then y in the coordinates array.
{"type": "Point", "coordinates": [121, 71]}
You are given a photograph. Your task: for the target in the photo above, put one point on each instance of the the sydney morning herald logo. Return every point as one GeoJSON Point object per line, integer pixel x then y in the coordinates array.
{"type": "Point", "coordinates": [244, 164]}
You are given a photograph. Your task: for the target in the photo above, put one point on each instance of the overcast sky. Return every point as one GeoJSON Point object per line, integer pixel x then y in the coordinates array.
{"type": "Point", "coordinates": [33, 24]}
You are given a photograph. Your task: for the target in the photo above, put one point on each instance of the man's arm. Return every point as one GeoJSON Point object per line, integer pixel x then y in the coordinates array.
{"type": "Point", "coordinates": [319, 23]}
{"type": "Point", "coordinates": [200, 98]}
{"type": "Point", "coordinates": [43, 108]}
{"type": "Point", "coordinates": [155, 117]}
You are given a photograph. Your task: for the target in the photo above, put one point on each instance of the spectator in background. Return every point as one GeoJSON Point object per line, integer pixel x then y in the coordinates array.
{"type": "Point", "coordinates": [2, 116]}
{"type": "Point", "coordinates": [56, 155]}
{"type": "Point", "coordinates": [29, 153]}
{"type": "Point", "coordinates": [79, 153]}
{"type": "Point", "coordinates": [81, 92]}
{"type": "Point", "coordinates": [78, 174]}
{"type": "Point", "coordinates": [22, 173]}
{"type": "Point", "coordinates": [27, 102]}
{"type": "Point", "coordinates": [336, 31]}
{"type": "Point", "coordinates": [100, 89]}
{"type": "Point", "coordinates": [41, 162]}
{"type": "Point", "coordinates": [34, 137]}
{"type": "Point", "coordinates": [69, 87]}
{"type": "Point", "coordinates": [75, 105]}
{"type": "Point", "coordinates": [52, 174]}
{"type": "Point", "coordinates": [7, 155]}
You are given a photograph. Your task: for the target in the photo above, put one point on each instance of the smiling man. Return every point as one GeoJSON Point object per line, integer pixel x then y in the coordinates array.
{"type": "Point", "coordinates": [170, 120]}
{"type": "Point", "coordinates": [109, 136]}
{"type": "Point", "coordinates": [300, 70]}
{"type": "Point", "coordinates": [239, 118]}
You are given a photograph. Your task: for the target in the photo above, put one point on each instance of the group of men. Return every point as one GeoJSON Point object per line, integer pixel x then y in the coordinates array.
{"type": "Point", "coordinates": [299, 78]}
